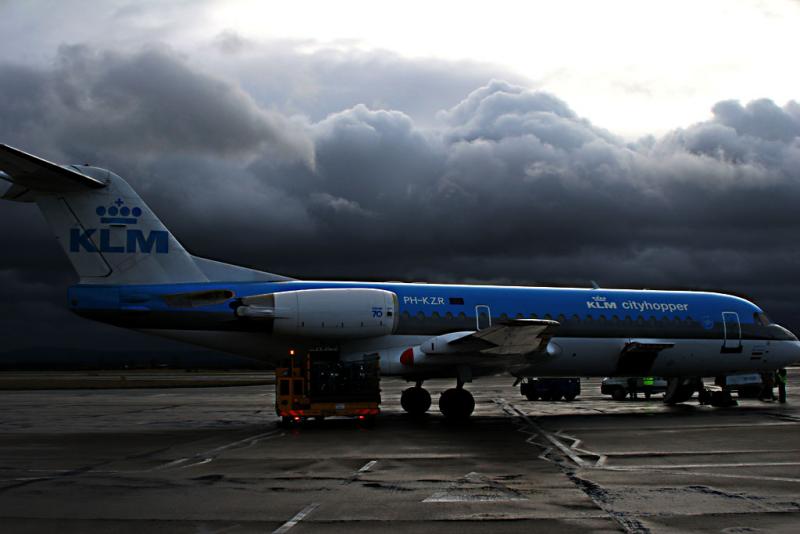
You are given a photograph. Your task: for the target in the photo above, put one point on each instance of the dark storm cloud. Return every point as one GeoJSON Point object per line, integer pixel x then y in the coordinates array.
{"type": "Point", "coordinates": [144, 102]}
{"type": "Point", "coordinates": [507, 185]}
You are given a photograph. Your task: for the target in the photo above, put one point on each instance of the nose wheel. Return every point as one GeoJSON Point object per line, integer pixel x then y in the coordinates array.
{"type": "Point", "coordinates": [456, 404]}
{"type": "Point", "coordinates": [416, 401]}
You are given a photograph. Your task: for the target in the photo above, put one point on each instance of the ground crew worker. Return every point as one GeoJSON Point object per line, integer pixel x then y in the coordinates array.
{"type": "Point", "coordinates": [780, 378]}
{"type": "Point", "coordinates": [767, 383]}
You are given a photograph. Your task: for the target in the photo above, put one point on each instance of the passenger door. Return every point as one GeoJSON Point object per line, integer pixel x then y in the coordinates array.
{"type": "Point", "coordinates": [732, 332]}
{"type": "Point", "coordinates": [483, 317]}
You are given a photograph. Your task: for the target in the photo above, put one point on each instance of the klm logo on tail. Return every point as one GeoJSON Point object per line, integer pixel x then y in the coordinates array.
{"type": "Point", "coordinates": [132, 241]}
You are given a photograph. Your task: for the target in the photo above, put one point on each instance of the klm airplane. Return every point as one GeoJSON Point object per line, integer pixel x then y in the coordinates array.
{"type": "Point", "coordinates": [135, 274]}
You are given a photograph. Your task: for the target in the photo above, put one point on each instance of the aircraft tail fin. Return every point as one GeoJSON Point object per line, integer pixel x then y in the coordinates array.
{"type": "Point", "coordinates": [109, 234]}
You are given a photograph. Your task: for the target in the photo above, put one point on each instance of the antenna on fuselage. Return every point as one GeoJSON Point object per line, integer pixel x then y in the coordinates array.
{"type": "Point", "coordinates": [595, 285]}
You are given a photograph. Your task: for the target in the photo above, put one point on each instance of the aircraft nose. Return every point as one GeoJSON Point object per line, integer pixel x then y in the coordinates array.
{"type": "Point", "coordinates": [794, 353]}
{"type": "Point", "coordinates": [785, 333]}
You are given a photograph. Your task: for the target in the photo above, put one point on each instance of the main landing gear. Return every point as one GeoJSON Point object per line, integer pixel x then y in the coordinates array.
{"type": "Point", "coordinates": [416, 401]}
{"type": "Point", "coordinates": [456, 403]}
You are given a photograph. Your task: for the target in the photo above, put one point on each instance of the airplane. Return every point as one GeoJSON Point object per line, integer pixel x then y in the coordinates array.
{"type": "Point", "coordinates": [135, 274]}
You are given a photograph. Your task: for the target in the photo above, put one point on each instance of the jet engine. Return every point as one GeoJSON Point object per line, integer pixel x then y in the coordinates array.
{"type": "Point", "coordinates": [337, 313]}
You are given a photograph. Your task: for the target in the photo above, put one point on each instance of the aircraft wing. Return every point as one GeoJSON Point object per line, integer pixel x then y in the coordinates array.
{"type": "Point", "coordinates": [26, 172]}
{"type": "Point", "coordinates": [514, 337]}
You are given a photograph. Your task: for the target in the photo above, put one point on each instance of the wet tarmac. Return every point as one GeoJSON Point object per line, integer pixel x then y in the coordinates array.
{"type": "Point", "coordinates": [210, 460]}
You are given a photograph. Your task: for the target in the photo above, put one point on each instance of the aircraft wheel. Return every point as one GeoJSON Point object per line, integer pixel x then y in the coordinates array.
{"type": "Point", "coordinates": [532, 396]}
{"type": "Point", "coordinates": [456, 404]}
{"type": "Point", "coordinates": [415, 400]}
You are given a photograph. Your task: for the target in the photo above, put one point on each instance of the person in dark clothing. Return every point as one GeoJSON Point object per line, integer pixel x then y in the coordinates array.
{"type": "Point", "coordinates": [767, 383]}
{"type": "Point", "coordinates": [780, 378]}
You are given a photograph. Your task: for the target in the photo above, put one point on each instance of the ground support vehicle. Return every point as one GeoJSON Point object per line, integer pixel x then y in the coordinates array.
{"type": "Point", "coordinates": [317, 385]}
{"type": "Point", "coordinates": [551, 389]}
{"type": "Point", "coordinates": [747, 386]}
{"type": "Point", "coordinates": [620, 387]}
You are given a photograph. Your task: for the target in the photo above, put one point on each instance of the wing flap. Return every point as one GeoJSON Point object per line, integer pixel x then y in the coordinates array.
{"type": "Point", "coordinates": [28, 171]}
{"type": "Point", "coordinates": [514, 337]}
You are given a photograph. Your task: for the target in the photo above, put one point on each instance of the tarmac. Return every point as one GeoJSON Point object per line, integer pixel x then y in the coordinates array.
{"type": "Point", "coordinates": [213, 460]}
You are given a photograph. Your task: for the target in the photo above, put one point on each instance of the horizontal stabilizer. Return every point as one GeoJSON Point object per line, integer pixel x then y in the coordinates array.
{"type": "Point", "coordinates": [30, 172]}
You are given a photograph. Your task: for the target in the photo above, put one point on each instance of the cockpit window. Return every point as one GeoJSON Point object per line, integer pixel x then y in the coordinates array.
{"type": "Point", "coordinates": [762, 319]}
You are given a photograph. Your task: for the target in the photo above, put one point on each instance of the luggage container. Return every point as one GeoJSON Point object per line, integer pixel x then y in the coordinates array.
{"type": "Point", "coordinates": [317, 385]}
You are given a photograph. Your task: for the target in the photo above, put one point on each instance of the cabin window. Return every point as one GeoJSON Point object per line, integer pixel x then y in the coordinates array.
{"type": "Point", "coordinates": [284, 387]}
{"type": "Point", "coordinates": [456, 301]}
{"type": "Point", "coordinates": [762, 319]}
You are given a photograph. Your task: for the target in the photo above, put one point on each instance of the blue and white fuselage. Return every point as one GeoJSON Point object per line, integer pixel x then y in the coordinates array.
{"type": "Point", "coordinates": [712, 333]}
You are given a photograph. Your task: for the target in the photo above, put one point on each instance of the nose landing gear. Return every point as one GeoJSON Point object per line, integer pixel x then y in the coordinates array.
{"type": "Point", "coordinates": [717, 398]}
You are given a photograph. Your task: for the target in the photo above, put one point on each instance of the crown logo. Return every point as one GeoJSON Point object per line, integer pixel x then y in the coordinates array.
{"type": "Point", "coordinates": [118, 213]}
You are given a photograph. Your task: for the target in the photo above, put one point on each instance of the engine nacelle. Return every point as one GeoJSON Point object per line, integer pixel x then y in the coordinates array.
{"type": "Point", "coordinates": [336, 313]}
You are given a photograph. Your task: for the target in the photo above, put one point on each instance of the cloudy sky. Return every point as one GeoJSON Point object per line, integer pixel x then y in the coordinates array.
{"type": "Point", "coordinates": [640, 144]}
